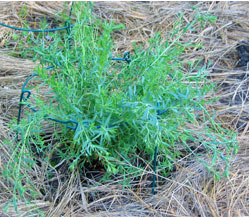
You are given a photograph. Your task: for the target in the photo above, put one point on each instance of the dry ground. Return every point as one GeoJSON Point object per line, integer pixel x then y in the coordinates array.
{"type": "Point", "coordinates": [191, 190]}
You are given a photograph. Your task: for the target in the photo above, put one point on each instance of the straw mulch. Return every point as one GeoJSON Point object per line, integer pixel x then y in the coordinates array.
{"type": "Point", "coordinates": [191, 190]}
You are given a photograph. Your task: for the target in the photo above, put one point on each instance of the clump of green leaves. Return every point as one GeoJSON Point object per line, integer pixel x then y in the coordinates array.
{"type": "Point", "coordinates": [124, 110]}
{"type": "Point", "coordinates": [117, 105]}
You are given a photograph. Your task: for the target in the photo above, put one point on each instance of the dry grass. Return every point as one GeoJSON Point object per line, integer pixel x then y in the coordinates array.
{"type": "Point", "coordinates": [191, 190]}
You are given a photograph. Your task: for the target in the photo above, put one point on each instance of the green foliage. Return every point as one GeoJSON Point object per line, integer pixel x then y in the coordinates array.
{"type": "Point", "coordinates": [96, 92]}
{"type": "Point", "coordinates": [90, 88]}
{"type": "Point", "coordinates": [25, 41]}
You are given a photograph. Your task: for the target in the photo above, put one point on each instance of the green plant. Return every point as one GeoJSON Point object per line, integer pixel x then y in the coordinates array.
{"type": "Point", "coordinates": [25, 41]}
{"type": "Point", "coordinates": [96, 92]}
{"type": "Point", "coordinates": [90, 88]}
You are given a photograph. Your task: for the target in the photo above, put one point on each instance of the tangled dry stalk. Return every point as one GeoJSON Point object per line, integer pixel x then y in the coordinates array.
{"type": "Point", "coordinates": [191, 190]}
